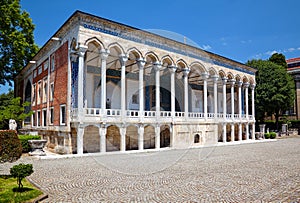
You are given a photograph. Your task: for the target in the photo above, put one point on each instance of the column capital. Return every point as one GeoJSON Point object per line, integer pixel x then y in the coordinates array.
{"type": "Point", "coordinates": [185, 72]}
{"type": "Point", "coordinates": [232, 82]}
{"type": "Point", "coordinates": [215, 78]}
{"type": "Point", "coordinates": [224, 80]}
{"type": "Point", "coordinates": [172, 68]}
{"type": "Point", "coordinates": [157, 66]}
{"type": "Point", "coordinates": [239, 83]}
{"type": "Point", "coordinates": [246, 84]}
{"type": "Point", "coordinates": [82, 49]}
{"type": "Point", "coordinates": [204, 76]}
{"type": "Point", "coordinates": [104, 54]}
{"type": "Point", "coordinates": [252, 86]}
{"type": "Point", "coordinates": [141, 62]}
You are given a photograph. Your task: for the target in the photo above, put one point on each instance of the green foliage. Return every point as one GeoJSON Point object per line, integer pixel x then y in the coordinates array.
{"type": "Point", "coordinates": [272, 135]}
{"type": "Point", "coordinates": [21, 171]}
{"type": "Point", "coordinates": [267, 135]}
{"type": "Point", "coordinates": [10, 146]}
{"type": "Point", "coordinates": [275, 89]}
{"type": "Point", "coordinates": [279, 59]}
{"type": "Point", "coordinates": [24, 141]}
{"type": "Point", "coordinates": [10, 193]}
{"type": "Point", "coordinates": [16, 40]}
{"type": "Point", "coordinates": [11, 108]}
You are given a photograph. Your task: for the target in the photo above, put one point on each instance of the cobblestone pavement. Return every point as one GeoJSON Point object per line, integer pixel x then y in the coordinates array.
{"type": "Point", "coordinates": [268, 171]}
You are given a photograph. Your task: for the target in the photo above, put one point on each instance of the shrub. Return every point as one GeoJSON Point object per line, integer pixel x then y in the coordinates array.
{"type": "Point", "coordinates": [272, 135]}
{"type": "Point", "coordinates": [267, 135]}
{"type": "Point", "coordinates": [24, 141]}
{"type": "Point", "coordinates": [21, 171]}
{"type": "Point", "coordinates": [10, 146]}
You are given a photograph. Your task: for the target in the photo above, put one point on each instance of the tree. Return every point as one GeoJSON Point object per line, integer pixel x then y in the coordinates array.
{"type": "Point", "coordinates": [275, 89]}
{"type": "Point", "coordinates": [279, 59]}
{"type": "Point", "coordinates": [11, 108]}
{"type": "Point", "coordinates": [21, 171]}
{"type": "Point", "coordinates": [10, 146]}
{"type": "Point", "coordinates": [17, 45]}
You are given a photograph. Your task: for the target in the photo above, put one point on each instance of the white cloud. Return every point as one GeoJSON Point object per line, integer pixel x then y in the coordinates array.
{"type": "Point", "coordinates": [270, 53]}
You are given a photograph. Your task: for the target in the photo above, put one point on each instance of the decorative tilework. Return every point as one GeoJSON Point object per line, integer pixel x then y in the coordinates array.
{"type": "Point", "coordinates": [139, 39]}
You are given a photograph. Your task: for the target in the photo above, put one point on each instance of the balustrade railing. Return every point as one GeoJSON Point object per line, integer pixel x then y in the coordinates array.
{"type": "Point", "coordinates": [153, 114]}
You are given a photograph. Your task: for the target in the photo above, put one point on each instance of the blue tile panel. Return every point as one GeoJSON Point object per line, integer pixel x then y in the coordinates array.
{"type": "Point", "coordinates": [139, 39]}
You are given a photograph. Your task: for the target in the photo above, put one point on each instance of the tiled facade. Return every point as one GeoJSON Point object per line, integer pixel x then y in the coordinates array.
{"type": "Point", "coordinates": [99, 86]}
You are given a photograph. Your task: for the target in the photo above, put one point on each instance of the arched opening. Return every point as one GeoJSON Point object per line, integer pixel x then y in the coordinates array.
{"type": "Point", "coordinates": [131, 138]}
{"type": "Point", "coordinates": [149, 137]}
{"type": "Point", "coordinates": [113, 138]}
{"type": "Point", "coordinates": [197, 138]}
{"type": "Point", "coordinates": [164, 136]}
{"type": "Point", "coordinates": [28, 93]}
{"type": "Point", "coordinates": [91, 139]}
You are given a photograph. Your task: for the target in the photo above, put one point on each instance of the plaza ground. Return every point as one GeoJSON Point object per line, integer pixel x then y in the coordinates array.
{"type": "Point", "coordinates": [266, 171]}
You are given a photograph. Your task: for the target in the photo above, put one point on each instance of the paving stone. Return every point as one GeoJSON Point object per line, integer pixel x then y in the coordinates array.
{"type": "Point", "coordinates": [267, 172]}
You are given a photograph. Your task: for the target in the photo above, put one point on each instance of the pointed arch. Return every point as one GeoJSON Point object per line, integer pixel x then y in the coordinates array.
{"type": "Point", "coordinates": [152, 56]}
{"type": "Point", "coordinates": [212, 71]}
{"type": "Point", "coordinates": [167, 59]}
{"type": "Point", "coordinates": [245, 79]}
{"type": "Point", "coordinates": [238, 78]}
{"type": "Point", "coordinates": [95, 41]}
{"type": "Point", "coordinates": [116, 46]}
{"type": "Point", "coordinates": [222, 74]}
{"type": "Point", "coordinates": [230, 76]}
{"type": "Point", "coordinates": [199, 65]}
{"type": "Point", "coordinates": [181, 64]}
{"type": "Point", "coordinates": [134, 51]}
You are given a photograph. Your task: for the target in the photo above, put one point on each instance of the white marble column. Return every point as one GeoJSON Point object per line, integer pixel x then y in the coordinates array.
{"type": "Point", "coordinates": [141, 63]}
{"type": "Point", "coordinates": [80, 133]}
{"type": "Point", "coordinates": [253, 131]}
{"type": "Point", "coordinates": [173, 96]}
{"type": "Point", "coordinates": [81, 53]}
{"type": "Point", "coordinates": [240, 97]}
{"type": "Point", "coordinates": [123, 60]}
{"type": "Point", "coordinates": [247, 131]}
{"type": "Point", "coordinates": [186, 91]}
{"type": "Point", "coordinates": [240, 132]}
{"type": "Point", "coordinates": [224, 132]}
{"type": "Point", "coordinates": [232, 83]}
{"type": "Point", "coordinates": [157, 136]}
{"type": "Point", "coordinates": [103, 54]}
{"type": "Point", "coordinates": [204, 77]}
{"type": "Point", "coordinates": [232, 132]}
{"type": "Point", "coordinates": [252, 97]}
{"type": "Point", "coordinates": [246, 85]}
{"type": "Point", "coordinates": [141, 137]}
{"type": "Point", "coordinates": [157, 68]}
{"type": "Point", "coordinates": [224, 81]}
{"type": "Point", "coordinates": [102, 132]}
{"type": "Point", "coordinates": [123, 139]}
{"type": "Point", "coordinates": [215, 79]}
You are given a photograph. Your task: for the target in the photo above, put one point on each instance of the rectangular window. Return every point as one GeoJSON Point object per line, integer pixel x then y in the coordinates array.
{"type": "Point", "coordinates": [135, 99]}
{"type": "Point", "coordinates": [40, 70]}
{"type": "Point", "coordinates": [39, 92]}
{"type": "Point", "coordinates": [33, 94]}
{"type": "Point", "coordinates": [44, 117]}
{"type": "Point", "coordinates": [34, 74]}
{"type": "Point", "coordinates": [51, 115]}
{"type": "Point", "coordinates": [45, 91]}
{"type": "Point", "coordinates": [51, 91]}
{"type": "Point", "coordinates": [63, 115]}
{"type": "Point", "coordinates": [39, 118]}
{"type": "Point", "coordinates": [33, 120]}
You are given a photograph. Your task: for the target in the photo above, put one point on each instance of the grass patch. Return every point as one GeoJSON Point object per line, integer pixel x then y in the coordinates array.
{"type": "Point", "coordinates": [9, 191]}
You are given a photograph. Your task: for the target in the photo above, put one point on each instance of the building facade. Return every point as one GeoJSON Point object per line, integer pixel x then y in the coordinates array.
{"type": "Point", "coordinates": [99, 86]}
{"type": "Point", "coordinates": [294, 70]}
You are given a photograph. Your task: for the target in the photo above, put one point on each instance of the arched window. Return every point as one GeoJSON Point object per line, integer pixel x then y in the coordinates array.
{"type": "Point", "coordinates": [196, 138]}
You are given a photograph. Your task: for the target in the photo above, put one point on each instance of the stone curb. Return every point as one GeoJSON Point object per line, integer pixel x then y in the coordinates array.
{"type": "Point", "coordinates": [40, 197]}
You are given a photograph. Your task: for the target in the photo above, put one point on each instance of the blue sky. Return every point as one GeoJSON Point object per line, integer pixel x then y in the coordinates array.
{"type": "Point", "coordinates": [237, 29]}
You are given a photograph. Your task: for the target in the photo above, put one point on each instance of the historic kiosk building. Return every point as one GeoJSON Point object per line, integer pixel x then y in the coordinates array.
{"type": "Point", "coordinates": [99, 86]}
{"type": "Point", "coordinates": [294, 70]}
